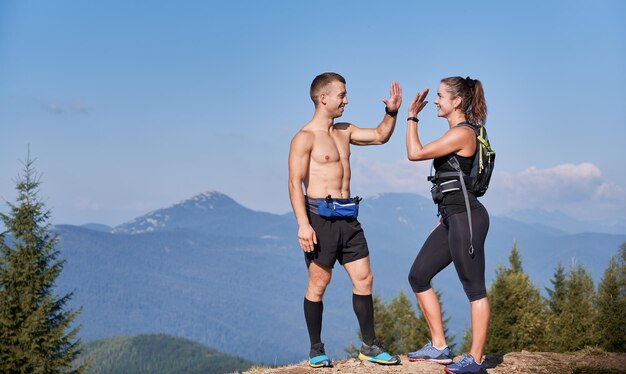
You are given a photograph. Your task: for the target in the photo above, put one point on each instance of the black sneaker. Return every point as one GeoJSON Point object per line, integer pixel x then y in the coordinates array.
{"type": "Point", "coordinates": [376, 353]}
{"type": "Point", "coordinates": [317, 356]}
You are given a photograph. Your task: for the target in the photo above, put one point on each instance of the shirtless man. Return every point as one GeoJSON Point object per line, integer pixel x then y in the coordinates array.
{"type": "Point", "coordinates": [328, 231]}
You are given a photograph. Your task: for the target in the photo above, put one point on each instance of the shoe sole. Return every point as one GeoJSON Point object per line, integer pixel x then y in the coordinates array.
{"type": "Point", "coordinates": [484, 371]}
{"type": "Point", "coordinates": [324, 363]}
{"type": "Point", "coordinates": [440, 362]}
{"type": "Point", "coordinates": [363, 357]}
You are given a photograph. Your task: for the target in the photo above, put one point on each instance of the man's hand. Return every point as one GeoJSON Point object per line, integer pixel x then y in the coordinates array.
{"type": "Point", "coordinates": [307, 238]}
{"type": "Point", "coordinates": [395, 97]}
{"type": "Point", "coordinates": [418, 103]}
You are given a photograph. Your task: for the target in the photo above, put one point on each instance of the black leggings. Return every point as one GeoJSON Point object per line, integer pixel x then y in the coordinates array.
{"type": "Point", "coordinates": [449, 242]}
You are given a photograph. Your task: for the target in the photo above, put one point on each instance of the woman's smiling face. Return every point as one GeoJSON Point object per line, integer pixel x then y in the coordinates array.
{"type": "Point", "coordinates": [445, 102]}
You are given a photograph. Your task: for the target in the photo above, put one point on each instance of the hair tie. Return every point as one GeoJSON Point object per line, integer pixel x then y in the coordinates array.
{"type": "Point", "coordinates": [470, 82]}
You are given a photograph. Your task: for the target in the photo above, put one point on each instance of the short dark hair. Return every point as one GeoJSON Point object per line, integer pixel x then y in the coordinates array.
{"type": "Point", "coordinates": [321, 81]}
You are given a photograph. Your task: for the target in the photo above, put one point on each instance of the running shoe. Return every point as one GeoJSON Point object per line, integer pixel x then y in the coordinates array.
{"type": "Point", "coordinates": [432, 354]}
{"type": "Point", "coordinates": [317, 357]}
{"type": "Point", "coordinates": [467, 365]}
{"type": "Point", "coordinates": [376, 353]}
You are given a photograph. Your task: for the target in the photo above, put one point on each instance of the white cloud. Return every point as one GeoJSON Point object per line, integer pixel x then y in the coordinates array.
{"type": "Point", "coordinates": [53, 108]}
{"type": "Point", "coordinates": [59, 107]}
{"type": "Point", "coordinates": [85, 203]}
{"type": "Point", "coordinates": [578, 190]}
{"type": "Point", "coordinates": [370, 177]}
{"type": "Point", "coordinates": [560, 183]}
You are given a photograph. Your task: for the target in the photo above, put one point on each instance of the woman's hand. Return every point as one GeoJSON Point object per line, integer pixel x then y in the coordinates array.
{"type": "Point", "coordinates": [418, 103]}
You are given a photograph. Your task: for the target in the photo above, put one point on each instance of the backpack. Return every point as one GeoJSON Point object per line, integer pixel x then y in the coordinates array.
{"type": "Point", "coordinates": [480, 175]}
{"type": "Point", "coordinates": [477, 182]}
{"type": "Point", "coordinates": [484, 162]}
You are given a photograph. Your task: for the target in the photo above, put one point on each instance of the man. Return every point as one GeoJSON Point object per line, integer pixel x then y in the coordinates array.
{"type": "Point", "coordinates": [328, 231]}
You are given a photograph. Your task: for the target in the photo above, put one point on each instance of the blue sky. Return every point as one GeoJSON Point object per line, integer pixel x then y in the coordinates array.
{"type": "Point", "coordinates": [133, 106]}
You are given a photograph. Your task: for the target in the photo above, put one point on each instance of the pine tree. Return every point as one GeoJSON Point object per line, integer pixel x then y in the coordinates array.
{"type": "Point", "coordinates": [33, 321]}
{"type": "Point", "coordinates": [381, 323]}
{"type": "Point", "coordinates": [557, 293]}
{"type": "Point", "coordinates": [518, 312]}
{"type": "Point", "coordinates": [556, 301]}
{"type": "Point", "coordinates": [611, 304]}
{"type": "Point", "coordinates": [397, 326]}
{"type": "Point", "coordinates": [406, 328]}
{"type": "Point", "coordinates": [515, 260]}
{"type": "Point", "coordinates": [466, 345]}
{"type": "Point", "coordinates": [575, 322]}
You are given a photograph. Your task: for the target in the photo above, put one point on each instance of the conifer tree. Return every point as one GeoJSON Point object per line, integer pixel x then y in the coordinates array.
{"type": "Point", "coordinates": [515, 260]}
{"type": "Point", "coordinates": [518, 312]}
{"type": "Point", "coordinates": [466, 345]}
{"type": "Point", "coordinates": [398, 327]}
{"type": "Point", "coordinates": [556, 301]}
{"type": "Point", "coordinates": [406, 328]}
{"type": "Point", "coordinates": [557, 293]}
{"type": "Point", "coordinates": [575, 322]}
{"type": "Point", "coordinates": [34, 322]}
{"type": "Point", "coordinates": [381, 322]}
{"type": "Point", "coordinates": [611, 304]}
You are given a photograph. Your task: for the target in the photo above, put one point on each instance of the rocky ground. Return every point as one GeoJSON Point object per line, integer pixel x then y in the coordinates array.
{"type": "Point", "coordinates": [517, 362]}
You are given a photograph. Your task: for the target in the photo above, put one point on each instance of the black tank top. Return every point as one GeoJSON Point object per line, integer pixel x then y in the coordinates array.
{"type": "Point", "coordinates": [454, 202]}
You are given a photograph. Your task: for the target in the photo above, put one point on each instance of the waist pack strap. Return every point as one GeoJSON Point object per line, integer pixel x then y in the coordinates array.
{"type": "Point", "coordinates": [330, 207]}
{"type": "Point", "coordinates": [449, 186]}
{"type": "Point", "coordinates": [445, 174]}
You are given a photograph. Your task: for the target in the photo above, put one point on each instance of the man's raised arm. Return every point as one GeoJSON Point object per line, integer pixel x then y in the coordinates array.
{"type": "Point", "coordinates": [381, 133]}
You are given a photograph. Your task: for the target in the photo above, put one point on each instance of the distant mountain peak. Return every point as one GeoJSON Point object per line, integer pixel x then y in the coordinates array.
{"type": "Point", "coordinates": [208, 208]}
{"type": "Point", "coordinates": [205, 200]}
{"type": "Point", "coordinates": [210, 195]}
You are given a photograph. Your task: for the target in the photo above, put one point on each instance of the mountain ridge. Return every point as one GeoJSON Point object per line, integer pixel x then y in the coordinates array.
{"type": "Point", "coordinates": [156, 353]}
{"type": "Point", "coordinates": [233, 279]}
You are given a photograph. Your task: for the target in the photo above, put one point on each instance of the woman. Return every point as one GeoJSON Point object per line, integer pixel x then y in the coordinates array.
{"type": "Point", "coordinates": [462, 102]}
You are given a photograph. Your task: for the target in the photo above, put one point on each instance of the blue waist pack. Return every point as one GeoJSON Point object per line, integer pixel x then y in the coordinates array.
{"type": "Point", "coordinates": [330, 207]}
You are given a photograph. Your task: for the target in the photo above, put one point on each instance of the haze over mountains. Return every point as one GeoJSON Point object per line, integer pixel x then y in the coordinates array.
{"type": "Point", "coordinates": [218, 273]}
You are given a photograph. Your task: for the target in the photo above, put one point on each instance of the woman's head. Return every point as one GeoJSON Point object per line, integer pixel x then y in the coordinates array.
{"type": "Point", "coordinates": [472, 98]}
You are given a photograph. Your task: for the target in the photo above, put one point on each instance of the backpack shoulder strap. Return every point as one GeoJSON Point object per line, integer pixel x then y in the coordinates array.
{"type": "Point", "coordinates": [470, 125]}
{"type": "Point", "coordinates": [455, 164]}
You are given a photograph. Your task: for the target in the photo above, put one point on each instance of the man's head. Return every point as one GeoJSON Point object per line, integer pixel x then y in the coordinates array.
{"type": "Point", "coordinates": [328, 91]}
{"type": "Point", "coordinates": [321, 85]}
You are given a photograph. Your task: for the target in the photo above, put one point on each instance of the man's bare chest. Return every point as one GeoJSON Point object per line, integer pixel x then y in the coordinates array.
{"type": "Point", "coordinates": [329, 149]}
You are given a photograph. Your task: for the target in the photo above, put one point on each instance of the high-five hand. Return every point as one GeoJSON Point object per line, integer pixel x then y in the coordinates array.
{"type": "Point", "coordinates": [395, 97]}
{"type": "Point", "coordinates": [418, 103]}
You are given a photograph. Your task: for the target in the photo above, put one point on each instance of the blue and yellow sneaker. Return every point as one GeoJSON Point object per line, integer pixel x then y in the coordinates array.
{"type": "Point", "coordinates": [376, 353]}
{"type": "Point", "coordinates": [467, 365]}
{"type": "Point", "coordinates": [432, 354]}
{"type": "Point", "coordinates": [317, 356]}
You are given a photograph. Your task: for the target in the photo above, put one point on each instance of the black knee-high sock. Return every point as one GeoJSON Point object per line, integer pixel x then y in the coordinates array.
{"type": "Point", "coordinates": [364, 310]}
{"type": "Point", "coordinates": [313, 316]}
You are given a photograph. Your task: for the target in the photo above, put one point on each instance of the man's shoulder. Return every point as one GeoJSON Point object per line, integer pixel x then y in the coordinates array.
{"type": "Point", "coordinates": [303, 138]}
{"type": "Point", "coordinates": [343, 126]}
{"type": "Point", "coordinates": [304, 133]}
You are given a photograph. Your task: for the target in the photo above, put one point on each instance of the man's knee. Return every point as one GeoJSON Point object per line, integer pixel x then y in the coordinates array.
{"type": "Point", "coordinates": [316, 287]}
{"type": "Point", "coordinates": [363, 283]}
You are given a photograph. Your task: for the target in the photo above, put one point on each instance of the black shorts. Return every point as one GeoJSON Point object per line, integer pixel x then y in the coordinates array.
{"type": "Point", "coordinates": [338, 239]}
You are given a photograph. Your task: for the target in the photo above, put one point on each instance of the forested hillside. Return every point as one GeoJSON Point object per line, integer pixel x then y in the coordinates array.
{"type": "Point", "coordinates": [157, 354]}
